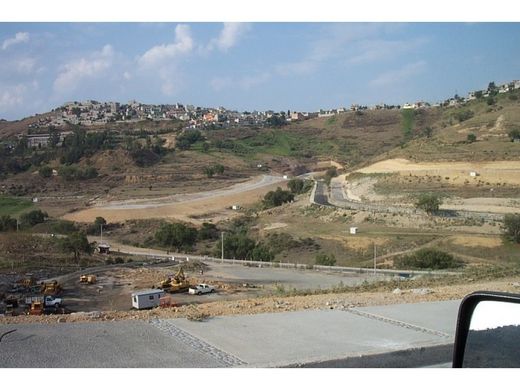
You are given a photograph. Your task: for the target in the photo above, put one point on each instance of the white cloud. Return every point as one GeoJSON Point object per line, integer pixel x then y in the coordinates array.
{"type": "Point", "coordinates": [399, 75]}
{"type": "Point", "coordinates": [220, 83]}
{"type": "Point", "coordinates": [20, 37]}
{"type": "Point", "coordinates": [252, 81]}
{"type": "Point", "coordinates": [377, 50]}
{"type": "Point", "coordinates": [75, 71]}
{"type": "Point", "coordinates": [12, 96]}
{"type": "Point", "coordinates": [159, 54]}
{"type": "Point", "coordinates": [229, 36]}
{"type": "Point", "coordinates": [299, 68]}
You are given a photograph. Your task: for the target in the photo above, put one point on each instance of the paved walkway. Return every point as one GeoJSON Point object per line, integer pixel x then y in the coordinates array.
{"type": "Point", "coordinates": [406, 335]}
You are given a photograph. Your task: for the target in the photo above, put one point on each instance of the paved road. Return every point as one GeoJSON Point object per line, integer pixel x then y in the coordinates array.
{"type": "Point", "coordinates": [407, 335]}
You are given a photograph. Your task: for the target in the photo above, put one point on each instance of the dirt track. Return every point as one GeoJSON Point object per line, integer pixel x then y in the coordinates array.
{"type": "Point", "coordinates": [195, 208]}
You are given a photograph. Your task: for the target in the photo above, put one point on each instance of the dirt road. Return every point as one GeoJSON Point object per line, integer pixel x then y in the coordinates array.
{"type": "Point", "coordinates": [195, 208]}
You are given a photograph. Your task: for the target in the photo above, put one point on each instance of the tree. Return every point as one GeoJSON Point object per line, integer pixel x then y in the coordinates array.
{"type": "Point", "coordinates": [219, 169]}
{"type": "Point", "coordinates": [512, 227]}
{"type": "Point", "coordinates": [471, 138]}
{"type": "Point", "coordinates": [77, 243]}
{"type": "Point", "coordinates": [478, 94]}
{"type": "Point", "coordinates": [262, 253]}
{"type": "Point", "coordinates": [209, 171]}
{"type": "Point", "coordinates": [330, 173]}
{"type": "Point", "coordinates": [237, 246]}
{"type": "Point", "coordinates": [295, 185]}
{"type": "Point", "coordinates": [490, 101]}
{"type": "Point", "coordinates": [428, 258]}
{"type": "Point", "coordinates": [205, 147]}
{"type": "Point", "coordinates": [429, 203]}
{"type": "Point", "coordinates": [45, 171]}
{"type": "Point", "coordinates": [7, 223]}
{"type": "Point", "coordinates": [208, 231]}
{"type": "Point", "coordinates": [514, 134]}
{"type": "Point", "coordinates": [176, 235]}
{"type": "Point", "coordinates": [33, 218]}
{"type": "Point", "coordinates": [277, 198]}
{"type": "Point", "coordinates": [54, 137]}
{"type": "Point", "coordinates": [323, 259]}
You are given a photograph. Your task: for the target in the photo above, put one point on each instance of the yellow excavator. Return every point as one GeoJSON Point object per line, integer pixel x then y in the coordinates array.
{"type": "Point", "coordinates": [87, 279]}
{"type": "Point", "coordinates": [176, 283]}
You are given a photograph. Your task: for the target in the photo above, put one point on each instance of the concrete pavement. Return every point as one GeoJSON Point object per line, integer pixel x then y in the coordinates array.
{"type": "Point", "coordinates": [407, 335]}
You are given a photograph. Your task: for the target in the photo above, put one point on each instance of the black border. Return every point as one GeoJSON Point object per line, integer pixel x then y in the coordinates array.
{"type": "Point", "coordinates": [466, 308]}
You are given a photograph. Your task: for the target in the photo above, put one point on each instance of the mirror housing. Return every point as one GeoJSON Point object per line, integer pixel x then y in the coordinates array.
{"type": "Point", "coordinates": [464, 321]}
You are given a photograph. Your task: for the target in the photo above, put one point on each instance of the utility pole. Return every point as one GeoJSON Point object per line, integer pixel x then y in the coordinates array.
{"type": "Point", "coordinates": [101, 239]}
{"type": "Point", "coordinates": [222, 246]}
{"type": "Point", "coordinates": [375, 258]}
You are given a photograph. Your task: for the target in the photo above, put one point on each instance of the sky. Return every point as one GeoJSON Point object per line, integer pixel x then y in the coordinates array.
{"type": "Point", "coordinates": [248, 66]}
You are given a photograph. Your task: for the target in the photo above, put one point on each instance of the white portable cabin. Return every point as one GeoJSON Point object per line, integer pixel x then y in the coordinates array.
{"type": "Point", "coordinates": [147, 298]}
{"type": "Point", "coordinates": [353, 230]}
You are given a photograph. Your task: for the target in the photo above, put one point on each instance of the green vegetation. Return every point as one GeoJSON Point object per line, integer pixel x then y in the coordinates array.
{"type": "Point", "coordinates": [463, 115]}
{"type": "Point", "coordinates": [299, 186]}
{"type": "Point", "coordinates": [73, 172]}
{"type": "Point", "coordinates": [45, 171]}
{"type": "Point", "coordinates": [429, 203]}
{"type": "Point", "coordinates": [7, 223]}
{"type": "Point", "coordinates": [210, 171]}
{"type": "Point", "coordinates": [77, 243]}
{"type": "Point", "coordinates": [208, 231]}
{"type": "Point", "coordinates": [323, 259]}
{"type": "Point", "coordinates": [512, 227]}
{"type": "Point", "coordinates": [471, 138]}
{"type": "Point", "coordinates": [514, 134]}
{"type": "Point", "coordinates": [277, 198]}
{"type": "Point", "coordinates": [32, 218]}
{"type": "Point", "coordinates": [187, 138]}
{"type": "Point", "coordinates": [428, 258]}
{"type": "Point", "coordinates": [176, 235]}
{"type": "Point", "coordinates": [13, 206]}
{"type": "Point", "coordinates": [407, 123]}
{"type": "Point", "coordinates": [330, 173]}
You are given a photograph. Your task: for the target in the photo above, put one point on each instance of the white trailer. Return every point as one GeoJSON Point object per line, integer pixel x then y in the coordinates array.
{"type": "Point", "coordinates": [147, 298]}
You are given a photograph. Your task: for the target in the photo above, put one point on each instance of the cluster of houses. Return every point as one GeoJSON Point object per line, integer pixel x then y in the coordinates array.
{"type": "Point", "coordinates": [91, 113]}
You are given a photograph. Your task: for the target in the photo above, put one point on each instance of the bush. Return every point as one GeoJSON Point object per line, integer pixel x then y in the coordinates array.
{"type": "Point", "coordinates": [33, 218]}
{"type": "Point", "coordinates": [277, 198]}
{"type": "Point", "coordinates": [429, 203]}
{"type": "Point", "coordinates": [331, 172]}
{"type": "Point", "coordinates": [176, 235]}
{"type": "Point", "coordinates": [299, 186]}
{"type": "Point", "coordinates": [7, 223]}
{"type": "Point", "coordinates": [514, 134]}
{"type": "Point", "coordinates": [471, 138]}
{"type": "Point", "coordinates": [45, 171]}
{"type": "Point", "coordinates": [208, 231]}
{"type": "Point", "coordinates": [512, 227]}
{"type": "Point", "coordinates": [262, 253]}
{"type": "Point", "coordinates": [428, 258]}
{"type": "Point", "coordinates": [236, 246]}
{"type": "Point", "coordinates": [463, 115]}
{"type": "Point", "coordinates": [323, 259]}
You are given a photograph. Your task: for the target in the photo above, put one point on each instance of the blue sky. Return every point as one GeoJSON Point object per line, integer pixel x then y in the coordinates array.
{"type": "Point", "coordinates": [246, 66]}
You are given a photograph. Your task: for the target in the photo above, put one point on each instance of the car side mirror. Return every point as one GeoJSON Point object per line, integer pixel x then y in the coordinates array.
{"type": "Point", "coordinates": [488, 331]}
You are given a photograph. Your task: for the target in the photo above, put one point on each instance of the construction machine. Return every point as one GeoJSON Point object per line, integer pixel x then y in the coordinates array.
{"type": "Point", "coordinates": [36, 308]}
{"type": "Point", "coordinates": [88, 279]}
{"type": "Point", "coordinates": [27, 282]}
{"type": "Point", "coordinates": [50, 288]}
{"type": "Point", "coordinates": [176, 283]}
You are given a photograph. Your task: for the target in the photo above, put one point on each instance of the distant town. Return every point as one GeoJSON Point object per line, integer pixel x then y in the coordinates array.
{"type": "Point", "coordinates": [94, 113]}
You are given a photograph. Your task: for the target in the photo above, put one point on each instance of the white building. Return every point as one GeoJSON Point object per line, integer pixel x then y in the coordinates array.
{"type": "Point", "coordinates": [353, 230]}
{"type": "Point", "coordinates": [147, 298]}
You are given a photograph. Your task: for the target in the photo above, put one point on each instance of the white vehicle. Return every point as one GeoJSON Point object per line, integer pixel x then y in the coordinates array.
{"type": "Point", "coordinates": [201, 289]}
{"type": "Point", "coordinates": [48, 301]}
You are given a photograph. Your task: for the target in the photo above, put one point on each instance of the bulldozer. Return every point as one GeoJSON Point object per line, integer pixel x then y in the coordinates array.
{"type": "Point", "coordinates": [27, 282]}
{"type": "Point", "coordinates": [50, 288]}
{"type": "Point", "coordinates": [176, 283]}
{"type": "Point", "coordinates": [36, 308]}
{"type": "Point", "coordinates": [88, 279]}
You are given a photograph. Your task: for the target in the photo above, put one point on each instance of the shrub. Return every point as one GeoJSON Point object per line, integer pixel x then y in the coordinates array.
{"type": "Point", "coordinates": [428, 258]}
{"type": "Point", "coordinates": [7, 223]}
{"type": "Point", "coordinates": [512, 227]}
{"type": "Point", "coordinates": [429, 203]}
{"type": "Point", "coordinates": [176, 235]}
{"type": "Point", "coordinates": [471, 138]}
{"type": "Point", "coordinates": [45, 171]}
{"type": "Point", "coordinates": [277, 198]}
{"type": "Point", "coordinates": [33, 218]}
{"type": "Point", "coordinates": [323, 259]}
